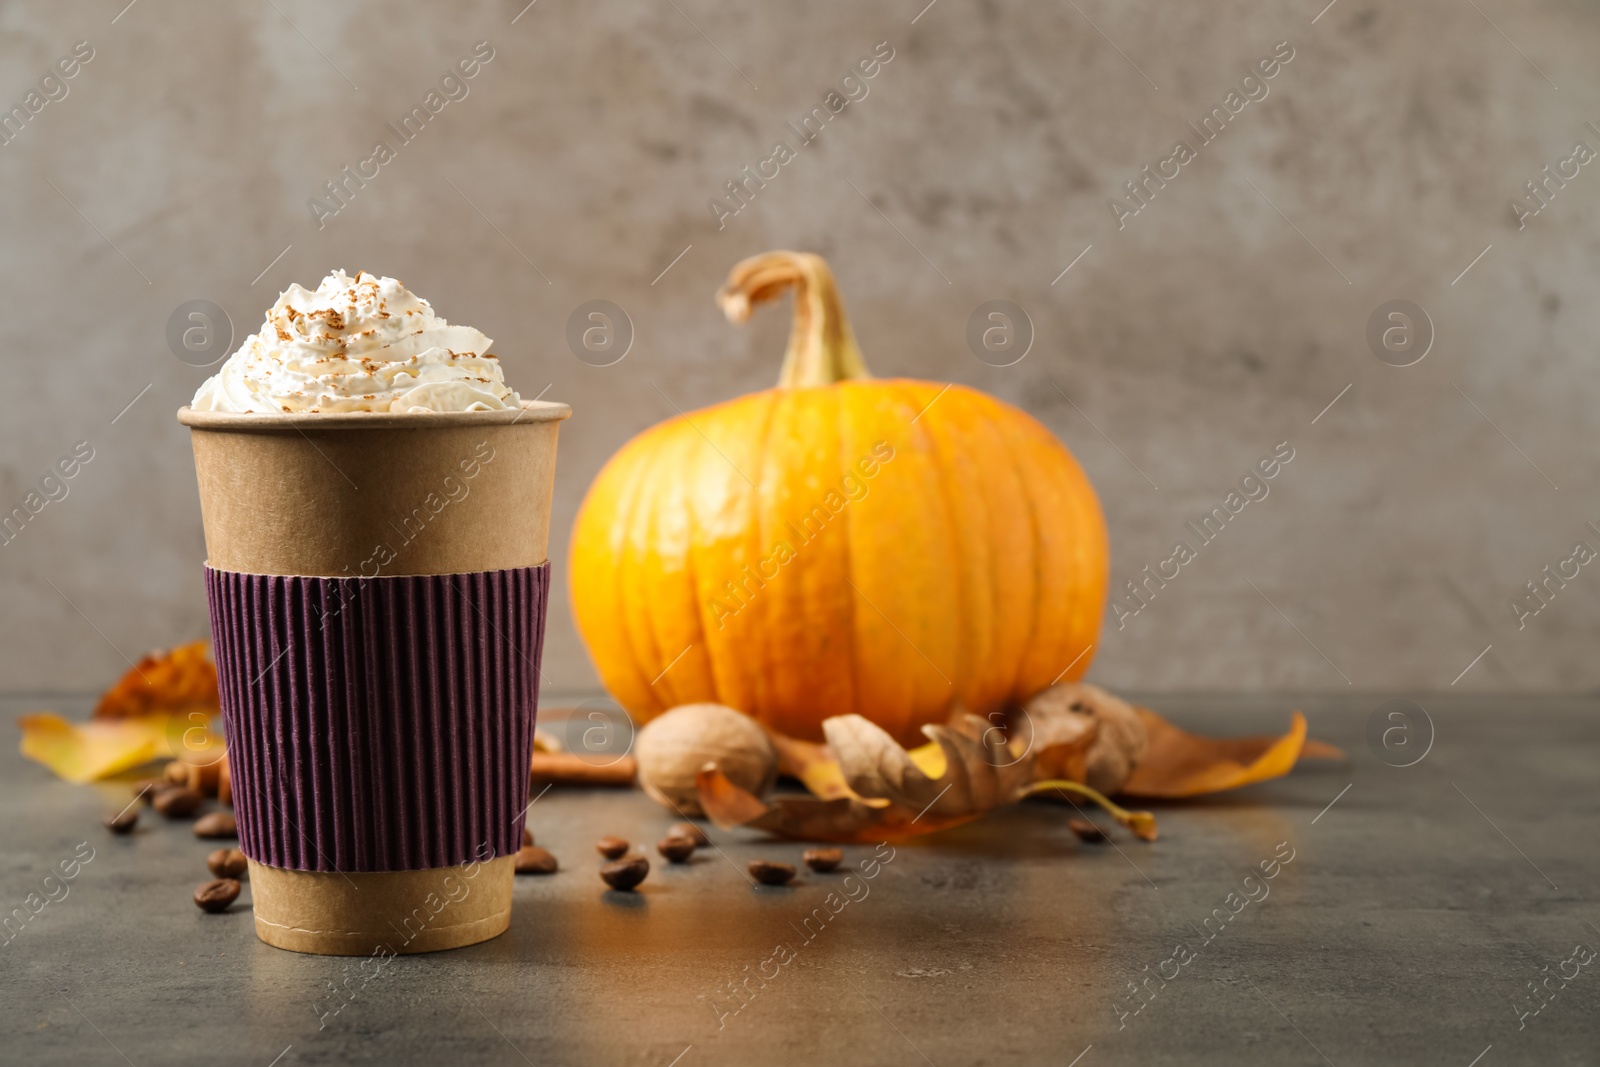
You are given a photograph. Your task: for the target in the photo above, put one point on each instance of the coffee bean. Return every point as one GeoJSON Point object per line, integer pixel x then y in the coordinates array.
{"type": "Point", "coordinates": [216, 896]}
{"type": "Point", "coordinates": [625, 874]}
{"type": "Point", "coordinates": [691, 831]}
{"type": "Point", "coordinates": [177, 803]}
{"type": "Point", "coordinates": [769, 873]}
{"type": "Point", "coordinates": [1086, 830]}
{"type": "Point", "coordinates": [146, 790]}
{"type": "Point", "coordinates": [611, 847]}
{"type": "Point", "coordinates": [527, 836]}
{"type": "Point", "coordinates": [227, 863]}
{"type": "Point", "coordinates": [823, 860]}
{"type": "Point", "coordinates": [532, 860]}
{"type": "Point", "coordinates": [216, 824]}
{"type": "Point", "coordinates": [123, 821]}
{"type": "Point", "coordinates": [675, 848]}
{"type": "Point", "coordinates": [176, 773]}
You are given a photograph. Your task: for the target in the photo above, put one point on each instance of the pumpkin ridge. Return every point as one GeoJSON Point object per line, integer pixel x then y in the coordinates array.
{"type": "Point", "coordinates": [1014, 457]}
{"type": "Point", "coordinates": [764, 692]}
{"type": "Point", "coordinates": [839, 410]}
{"type": "Point", "coordinates": [634, 501]}
{"type": "Point", "coordinates": [653, 503]}
{"type": "Point", "coordinates": [976, 438]}
{"type": "Point", "coordinates": [908, 388]}
{"type": "Point", "coordinates": [695, 454]}
{"type": "Point", "coordinates": [994, 442]}
{"type": "Point", "coordinates": [691, 575]}
{"type": "Point", "coordinates": [1082, 519]}
{"type": "Point", "coordinates": [701, 639]}
{"type": "Point", "coordinates": [1092, 518]}
{"type": "Point", "coordinates": [755, 673]}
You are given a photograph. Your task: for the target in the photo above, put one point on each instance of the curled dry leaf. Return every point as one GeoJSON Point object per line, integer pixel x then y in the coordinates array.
{"type": "Point", "coordinates": [1069, 741]}
{"type": "Point", "coordinates": [1116, 748]}
{"type": "Point", "coordinates": [177, 681]}
{"type": "Point", "coordinates": [804, 818]}
{"type": "Point", "coordinates": [1315, 749]}
{"type": "Point", "coordinates": [874, 790]}
{"type": "Point", "coordinates": [811, 764]}
{"type": "Point", "coordinates": [1181, 764]}
{"type": "Point", "coordinates": [162, 707]}
{"type": "Point", "coordinates": [99, 748]}
{"type": "Point", "coordinates": [1138, 753]}
{"type": "Point", "coordinates": [980, 771]}
{"type": "Point", "coordinates": [84, 752]}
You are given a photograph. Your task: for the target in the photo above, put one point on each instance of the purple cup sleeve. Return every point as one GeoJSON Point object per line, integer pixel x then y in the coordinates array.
{"type": "Point", "coordinates": [379, 724]}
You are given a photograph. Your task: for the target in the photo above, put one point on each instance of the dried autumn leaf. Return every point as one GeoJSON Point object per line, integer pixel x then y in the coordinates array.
{"type": "Point", "coordinates": [161, 708]}
{"type": "Point", "coordinates": [1181, 764]}
{"type": "Point", "coordinates": [1068, 741]}
{"type": "Point", "coordinates": [1062, 743]}
{"type": "Point", "coordinates": [813, 764]}
{"type": "Point", "coordinates": [1116, 747]}
{"type": "Point", "coordinates": [868, 788]}
{"type": "Point", "coordinates": [177, 681]}
{"type": "Point", "coordinates": [843, 820]}
{"type": "Point", "coordinates": [879, 790]}
{"type": "Point", "coordinates": [980, 771]}
{"type": "Point", "coordinates": [1315, 749]}
{"type": "Point", "coordinates": [1139, 753]}
{"type": "Point", "coordinates": [83, 752]}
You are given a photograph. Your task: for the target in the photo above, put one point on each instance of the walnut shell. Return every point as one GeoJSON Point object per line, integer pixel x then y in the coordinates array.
{"type": "Point", "coordinates": [674, 746]}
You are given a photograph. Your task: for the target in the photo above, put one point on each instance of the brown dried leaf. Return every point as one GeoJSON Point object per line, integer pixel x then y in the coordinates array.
{"type": "Point", "coordinates": [812, 764]}
{"type": "Point", "coordinates": [842, 820]}
{"type": "Point", "coordinates": [1181, 764]}
{"type": "Point", "coordinates": [1061, 744]}
{"type": "Point", "coordinates": [181, 680]}
{"type": "Point", "coordinates": [1139, 753]}
{"type": "Point", "coordinates": [1120, 738]}
{"type": "Point", "coordinates": [1315, 749]}
{"type": "Point", "coordinates": [161, 708]}
{"type": "Point", "coordinates": [880, 790]}
{"type": "Point", "coordinates": [1068, 740]}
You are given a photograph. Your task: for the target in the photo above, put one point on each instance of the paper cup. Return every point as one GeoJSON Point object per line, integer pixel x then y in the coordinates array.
{"type": "Point", "coordinates": [377, 586]}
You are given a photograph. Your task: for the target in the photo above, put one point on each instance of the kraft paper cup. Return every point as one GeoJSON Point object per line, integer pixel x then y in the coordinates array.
{"type": "Point", "coordinates": [377, 586]}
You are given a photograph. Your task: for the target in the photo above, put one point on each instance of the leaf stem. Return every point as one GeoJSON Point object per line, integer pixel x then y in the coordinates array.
{"type": "Point", "coordinates": [1142, 824]}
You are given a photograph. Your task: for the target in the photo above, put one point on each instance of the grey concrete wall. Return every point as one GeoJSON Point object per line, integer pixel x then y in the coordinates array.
{"type": "Point", "coordinates": [1179, 349]}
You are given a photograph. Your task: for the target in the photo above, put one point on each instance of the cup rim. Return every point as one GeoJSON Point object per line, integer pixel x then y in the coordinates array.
{"type": "Point", "coordinates": [531, 411]}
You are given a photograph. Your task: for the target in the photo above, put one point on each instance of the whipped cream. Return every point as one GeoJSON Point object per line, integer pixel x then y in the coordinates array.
{"type": "Point", "coordinates": [357, 344]}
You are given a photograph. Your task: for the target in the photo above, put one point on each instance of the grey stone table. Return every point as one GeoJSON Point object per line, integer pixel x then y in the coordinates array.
{"type": "Point", "coordinates": [1421, 907]}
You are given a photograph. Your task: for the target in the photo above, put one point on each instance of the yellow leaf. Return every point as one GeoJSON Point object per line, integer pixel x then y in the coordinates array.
{"type": "Point", "coordinates": [83, 752]}
{"type": "Point", "coordinates": [929, 759]}
{"type": "Point", "coordinates": [1180, 764]}
{"type": "Point", "coordinates": [812, 763]}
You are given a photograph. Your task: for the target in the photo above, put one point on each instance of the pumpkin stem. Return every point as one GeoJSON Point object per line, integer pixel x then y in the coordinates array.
{"type": "Point", "coordinates": [822, 347]}
{"type": "Point", "coordinates": [1142, 823]}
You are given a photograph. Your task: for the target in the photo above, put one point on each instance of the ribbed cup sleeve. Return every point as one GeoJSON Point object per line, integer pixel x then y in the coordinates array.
{"type": "Point", "coordinates": [379, 724]}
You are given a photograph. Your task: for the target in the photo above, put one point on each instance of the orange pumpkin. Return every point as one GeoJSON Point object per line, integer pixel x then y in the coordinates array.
{"type": "Point", "coordinates": [838, 544]}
